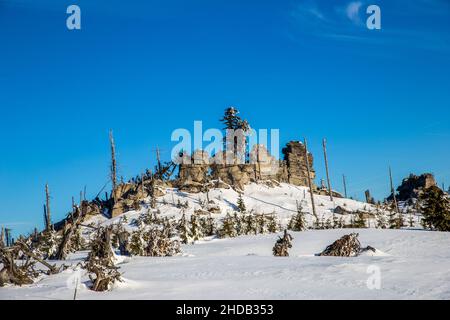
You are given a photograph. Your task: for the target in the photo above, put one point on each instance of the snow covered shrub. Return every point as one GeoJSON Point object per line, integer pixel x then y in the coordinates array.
{"type": "Point", "coordinates": [272, 223]}
{"type": "Point", "coordinates": [282, 245]}
{"type": "Point", "coordinates": [360, 221]}
{"type": "Point", "coordinates": [138, 243]}
{"type": "Point", "coordinates": [49, 242]}
{"type": "Point", "coordinates": [347, 246]}
{"type": "Point", "coordinates": [120, 239]}
{"type": "Point", "coordinates": [100, 262]}
{"type": "Point", "coordinates": [196, 228]}
{"type": "Point", "coordinates": [298, 221]}
{"type": "Point", "coordinates": [435, 209]}
{"type": "Point", "coordinates": [160, 244]}
{"type": "Point", "coordinates": [381, 221]}
{"type": "Point", "coordinates": [241, 204]}
{"type": "Point", "coordinates": [184, 231]}
{"type": "Point", "coordinates": [228, 228]}
{"type": "Point", "coordinates": [208, 225]}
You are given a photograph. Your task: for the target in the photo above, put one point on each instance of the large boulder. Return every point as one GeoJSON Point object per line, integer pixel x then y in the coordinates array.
{"type": "Point", "coordinates": [412, 187]}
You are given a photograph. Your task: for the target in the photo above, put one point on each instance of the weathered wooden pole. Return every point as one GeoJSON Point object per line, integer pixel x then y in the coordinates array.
{"type": "Point", "coordinates": [309, 178]}
{"type": "Point", "coordinates": [113, 162]}
{"type": "Point", "coordinates": [2, 237]}
{"type": "Point", "coordinates": [392, 190]}
{"type": "Point", "coordinates": [158, 158]}
{"type": "Point", "coordinates": [8, 237]}
{"type": "Point", "coordinates": [324, 144]}
{"type": "Point", "coordinates": [47, 212]}
{"type": "Point", "coordinates": [345, 186]}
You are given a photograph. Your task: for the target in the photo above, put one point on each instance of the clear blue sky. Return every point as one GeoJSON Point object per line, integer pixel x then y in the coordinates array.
{"type": "Point", "coordinates": [143, 68]}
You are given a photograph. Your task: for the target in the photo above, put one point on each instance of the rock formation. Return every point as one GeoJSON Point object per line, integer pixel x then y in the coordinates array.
{"type": "Point", "coordinates": [199, 169]}
{"type": "Point", "coordinates": [294, 155]}
{"type": "Point", "coordinates": [413, 186]}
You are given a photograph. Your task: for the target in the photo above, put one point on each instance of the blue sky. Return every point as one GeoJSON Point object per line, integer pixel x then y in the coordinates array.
{"type": "Point", "coordinates": [144, 68]}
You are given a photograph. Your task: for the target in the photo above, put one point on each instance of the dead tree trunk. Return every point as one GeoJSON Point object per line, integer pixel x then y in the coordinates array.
{"type": "Point", "coordinates": [309, 178]}
{"type": "Point", "coordinates": [47, 213]}
{"type": "Point", "coordinates": [2, 238]}
{"type": "Point", "coordinates": [69, 230]}
{"type": "Point", "coordinates": [158, 158]}
{"type": "Point", "coordinates": [113, 162]}
{"type": "Point", "coordinates": [393, 191]}
{"type": "Point", "coordinates": [324, 143]}
{"type": "Point", "coordinates": [345, 186]}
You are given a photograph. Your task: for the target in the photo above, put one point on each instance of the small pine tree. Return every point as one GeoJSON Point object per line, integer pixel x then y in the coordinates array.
{"type": "Point", "coordinates": [336, 223]}
{"type": "Point", "coordinates": [328, 224]}
{"type": "Point", "coordinates": [196, 228]}
{"type": "Point", "coordinates": [261, 222]}
{"type": "Point", "coordinates": [360, 221]}
{"type": "Point", "coordinates": [272, 225]}
{"type": "Point", "coordinates": [381, 221]}
{"type": "Point", "coordinates": [138, 243]}
{"type": "Point", "coordinates": [227, 230]}
{"type": "Point", "coordinates": [241, 204]}
{"type": "Point", "coordinates": [49, 243]}
{"type": "Point", "coordinates": [237, 222]}
{"type": "Point", "coordinates": [298, 221]}
{"type": "Point", "coordinates": [435, 209]}
{"type": "Point", "coordinates": [282, 245]}
{"type": "Point", "coordinates": [183, 228]}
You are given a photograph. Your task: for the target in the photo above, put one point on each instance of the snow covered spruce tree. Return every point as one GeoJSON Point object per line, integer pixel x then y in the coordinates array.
{"type": "Point", "coordinates": [237, 224]}
{"type": "Point", "coordinates": [100, 262]}
{"type": "Point", "coordinates": [160, 243]}
{"type": "Point", "coordinates": [241, 204]}
{"type": "Point", "coordinates": [435, 209]}
{"type": "Point", "coordinates": [228, 229]}
{"type": "Point", "coordinates": [381, 222]}
{"type": "Point", "coordinates": [272, 223]}
{"type": "Point", "coordinates": [196, 228]}
{"type": "Point", "coordinates": [282, 245]}
{"type": "Point", "coordinates": [49, 242]}
{"type": "Point", "coordinates": [298, 221]}
{"type": "Point", "coordinates": [360, 221]}
{"type": "Point", "coordinates": [138, 242]}
{"type": "Point", "coordinates": [184, 230]}
{"type": "Point", "coordinates": [250, 224]}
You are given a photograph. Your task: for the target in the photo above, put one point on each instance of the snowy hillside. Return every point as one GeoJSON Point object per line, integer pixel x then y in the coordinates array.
{"type": "Point", "coordinates": [412, 265]}
{"type": "Point", "coordinates": [259, 198]}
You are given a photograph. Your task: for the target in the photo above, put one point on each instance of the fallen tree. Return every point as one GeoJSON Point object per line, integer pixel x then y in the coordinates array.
{"type": "Point", "coordinates": [16, 273]}
{"type": "Point", "coordinates": [346, 246]}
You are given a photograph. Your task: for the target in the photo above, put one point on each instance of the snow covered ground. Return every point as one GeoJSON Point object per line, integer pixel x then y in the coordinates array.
{"type": "Point", "coordinates": [413, 264]}
{"type": "Point", "coordinates": [259, 198]}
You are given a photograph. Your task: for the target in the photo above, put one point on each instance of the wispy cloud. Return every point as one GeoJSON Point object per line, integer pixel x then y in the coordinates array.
{"type": "Point", "coordinates": [352, 11]}
{"type": "Point", "coordinates": [345, 21]}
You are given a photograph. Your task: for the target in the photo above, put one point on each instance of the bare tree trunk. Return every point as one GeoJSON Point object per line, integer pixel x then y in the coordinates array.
{"type": "Point", "coordinates": [324, 143]}
{"type": "Point", "coordinates": [309, 178]}
{"type": "Point", "coordinates": [48, 223]}
{"type": "Point", "coordinates": [345, 186]}
{"type": "Point", "coordinates": [2, 237]}
{"type": "Point", "coordinates": [158, 158]}
{"type": "Point", "coordinates": [393, 191]}
{"type": "Point", "coordinates": [113, 162]}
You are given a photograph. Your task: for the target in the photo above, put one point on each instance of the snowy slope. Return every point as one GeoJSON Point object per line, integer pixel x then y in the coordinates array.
{"type": "Point", "coordinates": [258, 198]}
{"type": "Point", "coordinates": [413, 264]}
